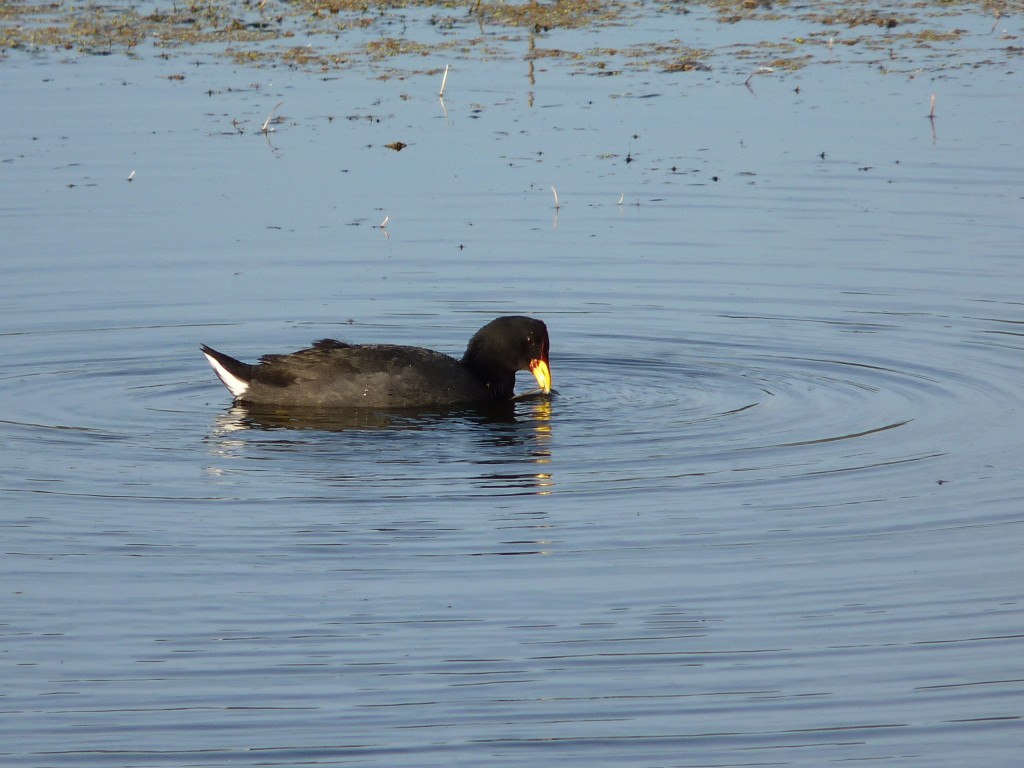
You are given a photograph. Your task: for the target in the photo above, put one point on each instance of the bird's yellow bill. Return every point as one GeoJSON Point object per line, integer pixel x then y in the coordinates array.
{"type": "Point", "coordinates": [541, 372]}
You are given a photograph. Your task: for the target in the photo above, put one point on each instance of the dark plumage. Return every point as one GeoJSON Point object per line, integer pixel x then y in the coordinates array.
{"type": "Point", "coordinates": [333, 374]}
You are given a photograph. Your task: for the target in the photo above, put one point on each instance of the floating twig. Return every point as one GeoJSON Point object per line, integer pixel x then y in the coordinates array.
{"type": "Point", "coordinates": [444, 81]}
{"type": "Point", "coordinates": [758, 71]}
{"type": "Point", "coordinates": [266, 123]}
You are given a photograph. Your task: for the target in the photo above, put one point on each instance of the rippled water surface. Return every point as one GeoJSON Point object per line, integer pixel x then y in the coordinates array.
{"type": "Point", "coordinates": [772, 517]}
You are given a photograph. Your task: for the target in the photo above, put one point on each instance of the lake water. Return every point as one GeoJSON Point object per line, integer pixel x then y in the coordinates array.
{"type": "Point", "coordinates": [774, 515]}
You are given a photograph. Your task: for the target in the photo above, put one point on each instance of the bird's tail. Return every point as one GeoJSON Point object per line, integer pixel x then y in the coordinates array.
{"type": "Point", "coordinates": [235, 374]}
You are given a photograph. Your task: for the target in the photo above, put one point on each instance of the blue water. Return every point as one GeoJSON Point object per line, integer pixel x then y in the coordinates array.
{"type": "Point", "coordinates": [773, 516]}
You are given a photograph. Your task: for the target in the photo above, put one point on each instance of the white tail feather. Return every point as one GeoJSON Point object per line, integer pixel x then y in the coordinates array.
{"type": "Point", "coordinates": [235, 385]}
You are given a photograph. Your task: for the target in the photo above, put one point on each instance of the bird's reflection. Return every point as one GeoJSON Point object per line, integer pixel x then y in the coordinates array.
{"type": "Point", "coordinates": [531, 431]}
{"type": "Point", "coordinates": [510, 442]}
{"type": "Point", "coordinates": [531, 407]}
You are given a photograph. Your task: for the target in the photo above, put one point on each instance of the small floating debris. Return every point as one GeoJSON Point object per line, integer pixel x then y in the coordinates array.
{"type": "Point", "coordinates": [270, 118]}
{"type": "Point", "coordinates": [758, 71]}
{"type": "Point", "coordinates": [444, 81]}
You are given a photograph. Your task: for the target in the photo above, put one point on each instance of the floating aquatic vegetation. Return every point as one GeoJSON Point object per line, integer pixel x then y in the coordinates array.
{"type": "Point", "coordinates": [335, 34]}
